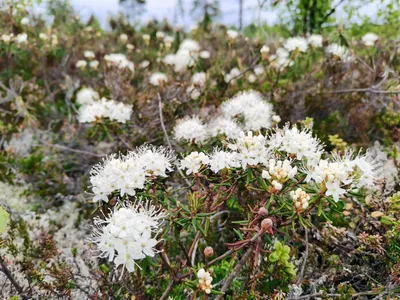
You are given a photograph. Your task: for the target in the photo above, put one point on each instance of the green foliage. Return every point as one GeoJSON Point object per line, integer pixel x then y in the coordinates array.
{"type": "Point", "coordinates": [4, 217]}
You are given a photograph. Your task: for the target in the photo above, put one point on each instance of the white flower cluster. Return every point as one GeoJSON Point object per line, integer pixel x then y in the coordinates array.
{"type": "Point", "coordinates": [300, 199]}
{"type": "Point", "coordinates": [247, 149]}
{"type": "Point", "coordinates": [129, 233]}
{"type": "Point", "coordinates": [19, 38]}
{"type": "Point", "coordinates": [297, 143]}
{"type": "Point", "coordinates": [190, 129]}
{"type": "Point", "coordinates": [296, 43]}
{"type": "Point", "coordinates": [340, 52]}
{"type": "Point", "coordinates": [158, 78]}
{"type": "Point", "coordinates": [249, 107]}
{"type": "Point", "coordinates": [93, 108]}
{"type": "Point", "coordinates": [250, 149]}
{"type": "Point", "coordinates": [370, 39]}
{"type": "Point", "coordinates": [281, 59]}
{"type": "Point", "coordinates": [279, 172]}
{"type": "Point", "coordinates": [193, 162]}
{"type": "Point", "coordinates": [205, 280]}
{"type": "Point", "coordinates": [315, 40]}
{"type": "Point", "coordinates": [93, 63]}
{"type": "Point", "coordinates": [197, 85]}
{"type": "Point", "coordinates": [119, 60]}
{"type": "Point", "coordinates": [343, 173]}
{"type": "Point", "coordinates": [224, 126]}
{"type": "Point", "coordinates": [126, 173]}
{"type": "Point", "coordinates": [232, 34]}
{"type": "Point", "coordinates": [252, 107]}
{"type": "Point", "coordinates": [185, 57]}
{"type": "Point", "coordinates": [232, 75]}
{"type": "Point", "coordinates": [333, 176]}
{"type": "Point", "coordinates": [103, 108]}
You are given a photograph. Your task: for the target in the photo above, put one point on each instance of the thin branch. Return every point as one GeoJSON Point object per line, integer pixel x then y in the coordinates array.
{"type": "Point", "coordinates": [72, 150]}
{"type": "Point", "coordinates": [8, 274]}
{"type": "Point", "coordinates": [235, 271]}
{"type": "Point", "coordinates": [303, 267]}
{"type": "Point", "coordinates": [168, 290]}
{"type": "Point", "coordinates": [160, 108]}
{"type": "Point", "coordinates": [363, 90]}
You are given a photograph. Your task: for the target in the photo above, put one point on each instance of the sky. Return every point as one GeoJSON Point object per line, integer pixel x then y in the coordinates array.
{"type": "Point", "coordinates": [160, 9]}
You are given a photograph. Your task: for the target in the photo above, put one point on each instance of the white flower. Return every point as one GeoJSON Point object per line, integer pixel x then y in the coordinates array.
{"type": "Point", "coordinates": [232, 75]}
{"type": "Point", "coordinates": [250, 149]}
{"type": "Point", "coordinates": [280, 171]}
{"type": "Point", "coordinates": [300, 199]}
{"type": "Point", "coordinates": [204, 54]}
{"type": "Point", "coordinates": [365, 169]}
{"type": "Point", "coordinates": [129, 233]}
{"type": "Point", "coordinates": [186, 56]}
{"type": "Point", "coordinates": [169, 39]}
{"type": "Point", "coordinates": [297, 142]}
{"type": "Point", "coordinates": [197, 85]}
{"type": "Point", "coordinates": [281, 59]}
{"type": "Point", "coordinates": [193, 162]}
{"type": "Point", "coordinates": [115, 111]}
{"type": "Point", "coordinates": [369, 39]}
{"type": "Point", "coordinates": [25, 21]}
{"type": "Point", "coordinates": [276, 118]}
{"type": "Point", "coordinates": [251, 78]}
{"type": "Point", "coordinates": [155, 160]}
{"type": "Point", "coordinates": [160, 35]}
{"type": "Point", "coordinates": [315, 40]}
{"type": "Point", "coordinates": [225, 126]}
{"type": "Point", "coordinates": [340, 52]}
{"type": "Point", "coordinates": [189, 45]}
{"type": "Point", "coordinates": [144, 64]}
{"type": "Point", "coordinates": [158, 78]}
{"type": "Point", "coordinates": [86, 96]}
{"type": "Point", "coordinates": [89, 54]}
{"type": "Point", "coordinates": [221, 160]}
{"type": "Point", "coordinates": [232, 34]}
{"type": "Point", "coordinates": [264, 49]}
{"type": "Point", "coordinates": [190, 129]}
{"type": "Point", "coordinates": [94, 64]}
{"type": "Point", "coordinates": [205, 280]}
{"type": "Point", "coordinates": [119, 60]}
{"type": "Point", "coordinates": [333, 175]}
{"type": "Point", "coordinates": [258, 70]}
{"type": "Point", "coordinates": [249, 105]}
{"type": "Point", "coordinates": [21, 38]}
{"type": "Point", "coordinates": [43, 36]}
{"type": "Point", "coordinates": [296, 43]}
{"type": "Point", "coordinates": [333, 189]}
{"type": "Point", "coordinates": [6, 38]}
{"type": "Point", "coordinates": [81, 64]}
{"type": "Point", "coordinates": [146, 37]}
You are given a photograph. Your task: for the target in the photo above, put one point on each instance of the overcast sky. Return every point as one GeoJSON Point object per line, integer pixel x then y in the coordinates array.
{"type": "Point", "coordinates": [160, 9]}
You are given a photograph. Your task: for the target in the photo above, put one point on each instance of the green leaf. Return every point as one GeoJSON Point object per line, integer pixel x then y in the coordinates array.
{"type": "Point", "coordinates": [3, 220]}
{"type": "Point", "coordinates": [273, 257]}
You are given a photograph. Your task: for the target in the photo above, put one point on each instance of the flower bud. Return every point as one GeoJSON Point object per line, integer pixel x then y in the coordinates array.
{"type": "Point", "coordinates": [263, 211]}
{"type": "Point", "coordinates": [208, 251]}
{"type": "Point", "coordinates": [267, 224]}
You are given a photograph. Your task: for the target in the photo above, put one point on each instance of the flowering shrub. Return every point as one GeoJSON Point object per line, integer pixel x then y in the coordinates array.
{"type": "Point", "coordinates": [149, 162]}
